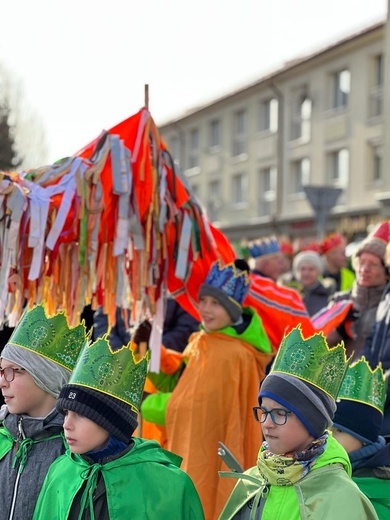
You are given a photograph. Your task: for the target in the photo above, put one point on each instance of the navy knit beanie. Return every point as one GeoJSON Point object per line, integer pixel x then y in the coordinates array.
{"type": "Point", "coordinates": [359, 420]}
{"type": "Point", "coordinates": [111, 414]}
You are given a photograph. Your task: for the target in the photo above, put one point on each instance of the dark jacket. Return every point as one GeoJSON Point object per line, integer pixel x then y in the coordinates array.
{"type": "Point", "coordinates": [23, 487]}
{"type": "Point", "coordinates": [315, 297]}
{"type": "Point", "coordinates": [178, 327]}
{"type": "Point", "coordinates": [377, 348]}
{"type": "Point", "coordinates": [366, 301]}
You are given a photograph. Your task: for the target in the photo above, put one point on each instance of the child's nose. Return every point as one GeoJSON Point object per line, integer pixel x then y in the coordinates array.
{"type": "Point", "coordinates": [67, 423]}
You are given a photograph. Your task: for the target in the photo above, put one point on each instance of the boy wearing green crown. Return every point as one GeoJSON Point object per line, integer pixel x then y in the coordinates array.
{"type": "Point", "coordinates": [35, 363]}
{"type": "Point", "coordinates": [106, 474]}
{"type": "Point", "coordinates": [357, 424]}
{"type": "Point", "coordinates": [301, 471]}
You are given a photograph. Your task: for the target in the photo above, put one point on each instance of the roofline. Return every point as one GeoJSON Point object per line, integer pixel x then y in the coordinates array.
{"type": "Point", "coordinates": [286, 67]}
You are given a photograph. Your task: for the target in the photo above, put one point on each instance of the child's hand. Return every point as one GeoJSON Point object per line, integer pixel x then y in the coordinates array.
{"type": "Point", "coordinates": [142, 332]}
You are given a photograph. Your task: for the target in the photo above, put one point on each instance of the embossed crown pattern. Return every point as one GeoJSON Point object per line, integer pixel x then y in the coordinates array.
{"type": "Point", "coordinates": [364, 385]}
{"type": "Point", "coordinates": [311, 360]}
{"type": "Point", "coordinates": [233, 282]}
{"type": "Point", "coordinates": [49, 337]}
{"type": "Point", "coordinates": [268, 246]}
{"type": "Point", "coordinates": [114, 372]}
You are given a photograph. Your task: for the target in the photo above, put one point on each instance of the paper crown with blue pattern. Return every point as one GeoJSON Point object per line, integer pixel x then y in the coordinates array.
{"type": "Point", "coordinates": [229, 284]}
{"type": "Point", "coordinates": [229, 279]}
{"type": "Point", "coordinates": [267, 246]}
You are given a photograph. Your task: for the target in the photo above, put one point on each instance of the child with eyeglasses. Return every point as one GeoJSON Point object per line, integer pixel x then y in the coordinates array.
{"type": "Point", "coordinates": [301, 471]}
{"type": "Point", "coordinates": [35, 364]}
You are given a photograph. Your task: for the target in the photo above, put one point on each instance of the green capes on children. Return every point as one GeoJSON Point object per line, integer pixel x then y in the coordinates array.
{"type": "Point", "coordinates": [126, 481]}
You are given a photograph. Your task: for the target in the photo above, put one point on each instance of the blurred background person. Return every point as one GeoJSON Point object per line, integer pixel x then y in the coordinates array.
{"type": "Point", "coordinates": [372, 276]}
{"type": "Point", "coordinates": [377, 347]}
{"type": "Point", "coordinates": [266, 258]}
{"type": "Point", "coordinates": [307, 270]}
{"type": "Point", "coordinates": [335, 262]}
{"type": "Point", "coordinates": [287, 251]}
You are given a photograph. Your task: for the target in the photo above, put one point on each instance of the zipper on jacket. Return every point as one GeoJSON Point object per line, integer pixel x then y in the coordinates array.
{"type": "Point", "coordinates": [20, 437]}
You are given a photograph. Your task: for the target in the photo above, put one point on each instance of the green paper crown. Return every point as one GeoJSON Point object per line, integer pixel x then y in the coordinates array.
{"type": "Point", "coordinates": [311, 360]}
{"type": "Point", "coordinates": [364, 385]}
{"type": "Point", "coordinates": [50, 338]}
{"type": "Point", "coordinates": [116, 373]}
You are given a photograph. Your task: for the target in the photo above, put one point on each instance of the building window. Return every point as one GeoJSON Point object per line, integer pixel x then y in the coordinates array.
{"type": "Point", "coordinates": [341, 88]}
{"type": "Point", "coordinates": [376, 88]}
{"type": "Point", "coordinates": [300, 174]}
{"type": "Point", "coordinates": [214, 203]}
{"type": "Point", "coordinates": [338, 167]}
{"type": "Point", "coordinates": [379, 70]}
{"type": "Point", "coordinates": [301, 119]}
{"type": "Point", "coordinates": [239, 133]}
{"type": "Point", "coordinates": [267, 190]}
{"type": "Point", "coordinates": [239, 189]}
{"type": "Point", "coordinates": [193, 149]}
{"type": "Point", "coordinates": [268, 115]}
{"type": "Point", "coordinates": [214, 133]}
{"type": "Point", "coordinates": [377, 163]}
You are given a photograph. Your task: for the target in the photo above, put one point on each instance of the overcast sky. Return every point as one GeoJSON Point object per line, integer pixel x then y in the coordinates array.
{"type": "Point", "coordinates": [83, 64]}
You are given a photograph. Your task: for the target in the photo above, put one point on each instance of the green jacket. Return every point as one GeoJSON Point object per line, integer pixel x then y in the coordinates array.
{"type": "Point", "coordinates": [327, 493]}
{"type": "Point", "coordinates": [378, 491]}
{"type": "Point", "coordinates": [143, 483]}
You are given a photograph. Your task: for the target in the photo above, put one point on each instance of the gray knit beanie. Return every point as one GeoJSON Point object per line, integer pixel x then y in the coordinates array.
{"type": "Point", "coordinates": [111, 414]}
{"type": "Point", "coordinates": [307, 256]}
{"type": "Point", "coordinates": [313, 407]}
{"type": "Point", "coordinates": [47, 374]}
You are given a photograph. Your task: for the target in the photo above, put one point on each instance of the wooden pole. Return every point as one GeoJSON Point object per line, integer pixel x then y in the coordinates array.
{"type": "Point", "coordinates": [147, 96]}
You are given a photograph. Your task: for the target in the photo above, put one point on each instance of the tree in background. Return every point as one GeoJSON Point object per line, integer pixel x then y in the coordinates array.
{"type": "Point", "coordinates": [8, 155]}
{"type": "Point", "coordinates": [22, 137]}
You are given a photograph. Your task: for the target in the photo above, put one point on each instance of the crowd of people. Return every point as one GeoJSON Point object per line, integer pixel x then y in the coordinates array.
{"type": "Point", "coordinates": [88, 432]}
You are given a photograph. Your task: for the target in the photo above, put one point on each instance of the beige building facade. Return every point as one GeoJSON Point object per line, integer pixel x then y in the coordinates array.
{"type": "Point", "coordinates": [317, 122]}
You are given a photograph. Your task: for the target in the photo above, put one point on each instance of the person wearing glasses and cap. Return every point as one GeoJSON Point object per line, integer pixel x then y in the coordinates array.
{"type": "Point", "coordinates": [35, 363]}
{"type": "Point", "coordinates": [301, 471]}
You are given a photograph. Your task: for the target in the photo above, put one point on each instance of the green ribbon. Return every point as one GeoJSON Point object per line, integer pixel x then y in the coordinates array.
{"type": "Point", "coordinates": [90, 475]}
{"type": "Point", "coordinates": [25, 446]}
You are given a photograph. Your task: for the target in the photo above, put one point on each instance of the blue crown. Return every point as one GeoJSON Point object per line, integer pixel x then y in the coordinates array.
{"type": "Point", "coordinates": [233, 282]}
{"type": "Point", "coordinates": [268, 246]}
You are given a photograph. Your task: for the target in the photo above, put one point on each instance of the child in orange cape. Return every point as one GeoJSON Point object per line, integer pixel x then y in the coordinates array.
{"type": "Point", "coordinates": [213, 400]}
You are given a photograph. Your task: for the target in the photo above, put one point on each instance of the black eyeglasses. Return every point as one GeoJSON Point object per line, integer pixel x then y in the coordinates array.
{"type": "Point", "coordinates": [278, 415]}
{"type": "Point", "coordinates": [9, 373]}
